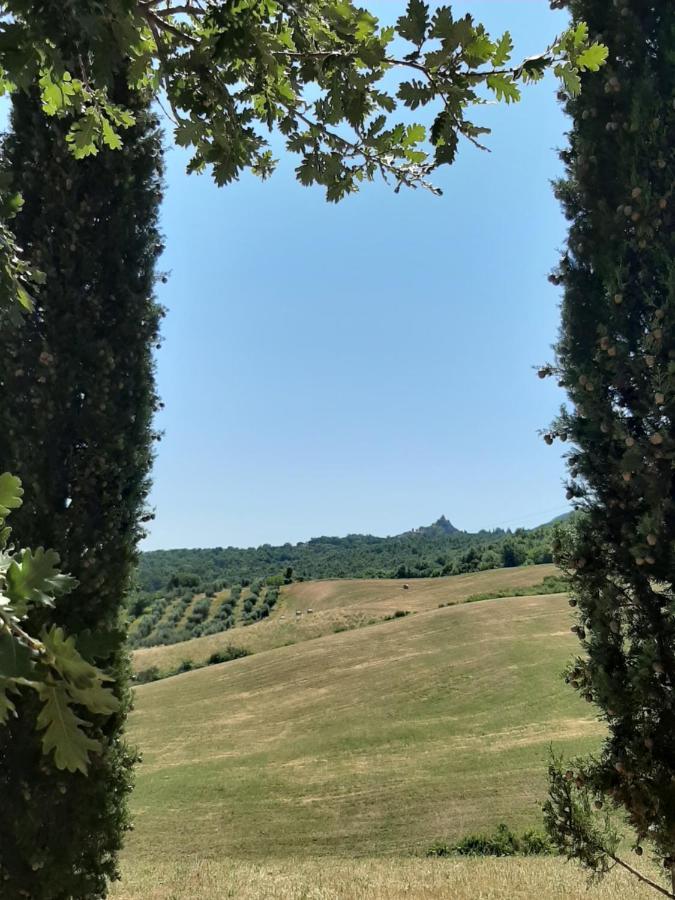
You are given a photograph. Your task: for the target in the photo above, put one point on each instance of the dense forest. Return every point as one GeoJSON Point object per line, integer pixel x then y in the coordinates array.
{"type": "Point", "coordinates": [430, 551]}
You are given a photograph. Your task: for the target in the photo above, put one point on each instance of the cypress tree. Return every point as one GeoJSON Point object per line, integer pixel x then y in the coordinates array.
{"type": "Point", "coordinates": [616, 359]}
{"type": "Point", "coordinates": [75, 424]}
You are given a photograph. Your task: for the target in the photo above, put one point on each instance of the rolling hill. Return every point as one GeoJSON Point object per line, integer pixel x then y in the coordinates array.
{"type": "Point", "coordinates": [340, 605]}
{"type": "Point", "coordinates": [374, 741]}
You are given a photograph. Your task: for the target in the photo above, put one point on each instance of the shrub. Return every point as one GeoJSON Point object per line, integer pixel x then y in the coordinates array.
{"type": "Point", "coordinates": [226, 655]}
{"type": "Point", "coordinates": [145, 676]}
{"type": "Point", "coordinates": [502, 842]}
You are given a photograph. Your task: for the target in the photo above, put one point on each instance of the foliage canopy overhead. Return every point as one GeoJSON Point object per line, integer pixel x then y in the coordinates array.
{"type": "Point", "coordinates": [230, 73]}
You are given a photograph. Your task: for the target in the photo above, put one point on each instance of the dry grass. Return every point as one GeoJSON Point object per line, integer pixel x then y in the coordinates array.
{"type": "Point", "coordinates": [369, 742]}
{"type": "Point", "coordinates": [371, 879]}
{"type": "Point", "coordinates": [342, 604]}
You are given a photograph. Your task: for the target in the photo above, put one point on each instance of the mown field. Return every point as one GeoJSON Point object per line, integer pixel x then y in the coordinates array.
{"type": "Point", "coordinates": [340, 604]}
{"type": "Point", "coordinates": [325, 768]}
{"type": "Point", "coordinates": [370, 742]}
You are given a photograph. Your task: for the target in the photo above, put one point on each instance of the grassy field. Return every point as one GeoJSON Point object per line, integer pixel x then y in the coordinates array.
{"type": "Point", "coordinates": [342, 604]}
{"type": "Point", "coordinates": [369, 742]}
{"type": "Point", "coordinates": [372, 879]}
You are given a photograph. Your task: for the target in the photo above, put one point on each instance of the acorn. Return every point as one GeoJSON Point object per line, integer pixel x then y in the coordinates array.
{"type": "Point", "coordinates": [663, 203]}
{"type": "Point", "coordinates": [649, 743]}
{"type": "Point", "coordinates": [598, 804]}
{"type": "Point", "coordinates": [638, 850]}
{"type": "Point", "coordinates": [659, 398]}
{"type": "Point", "coordinates": [627, 476]}
{"type": "Point", "coordinates": [611, 351]}
{"type": "Point", "coordinates": [618, 298]}
{"type": "Point", "coordinates": [630, 441]}
{"type": "Point", "coordinates": [658, 668]}
{"type": "Point", "coordinates": [636, 192]}
{"type": "Point", "coordinates": [656, 439]}
{"type": "Point", "coordinates": [639, 561]}
{"type": "Point", "coordinates": [651, 540]}
{"type": "Point", "coordinates": [619, 766]}
{"type": "Point", "coordinates": [572, 601]}
{"type": "Point", "coordinates": [657, 334]}
{"type": "Point", "coordinates": [650, 560]}
{"type": "Point", "coordinates": [649, 361]}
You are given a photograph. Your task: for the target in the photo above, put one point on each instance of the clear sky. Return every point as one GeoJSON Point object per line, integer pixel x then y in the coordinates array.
{"type": "Point", "coordinates": [365, 367]}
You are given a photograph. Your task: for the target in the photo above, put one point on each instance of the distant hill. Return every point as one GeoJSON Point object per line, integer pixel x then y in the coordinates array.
{"type": "Point", "coordinates": [190, 593]}
{"type": "Point", "coordinates": [426, 552]}
{"type": "Point", "coordinates": [439, 527]}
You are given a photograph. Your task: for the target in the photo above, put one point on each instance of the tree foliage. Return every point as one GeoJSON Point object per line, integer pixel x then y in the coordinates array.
{"type": "Point", "coordinates": [616, 359]}
{"type": "Point", "coordinates": [232, 72]}
{"type": "Point", "coordinates": [50, 664]}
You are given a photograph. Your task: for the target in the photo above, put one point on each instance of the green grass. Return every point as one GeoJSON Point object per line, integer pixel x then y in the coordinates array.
{"type": "Point", "coordinates": [371, 742]}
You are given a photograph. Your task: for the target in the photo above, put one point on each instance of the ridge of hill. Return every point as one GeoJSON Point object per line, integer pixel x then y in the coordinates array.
{"type": "Point", "coordinates": [425, 552]}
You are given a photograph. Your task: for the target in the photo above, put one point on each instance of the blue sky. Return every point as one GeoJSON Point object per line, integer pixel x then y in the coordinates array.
{"type": "Point", "coordinates": [365, 367]}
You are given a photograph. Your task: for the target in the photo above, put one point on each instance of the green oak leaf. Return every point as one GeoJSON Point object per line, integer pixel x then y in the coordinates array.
{"type": "Point", "coordinates": [503, 50]}
{"type": "Point", "coordinates": [55, 94]}
{"type": "Point", "coordinates": [82, 137]}
{"type": "Point", "coordinates": [110, 137]}
{"type": "Point", "coordinates": [580, 34]}
{"type": "Point", "coordinates": [592, 58]}
{"type": "Point", "coordinates": [34, 577]}
{"type": "Point", "coordinates": [97, 699]}
{"type": "Point", "coordinates": [68, 660]}
{"type": "Point", "coordinates": [570, 77]}
{"type": "Point", "coordinates": [16, 660]}
{"type": "Point", "coordinates": [480, 49]}
{"type": "Point", "coordinates": [413, 25]}
{"type": "Point", "coordinates": [11, 493]}
{"type": "Point", "coordinates": [62, 731]}
{"type": "Point", "coordinates": [504, 88]}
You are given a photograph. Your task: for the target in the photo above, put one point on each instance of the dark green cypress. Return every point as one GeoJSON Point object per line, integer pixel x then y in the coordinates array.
{"type": "Point", "coordinates": [616, 359]}
{"type": "Point", "coordinates": [76, 425]}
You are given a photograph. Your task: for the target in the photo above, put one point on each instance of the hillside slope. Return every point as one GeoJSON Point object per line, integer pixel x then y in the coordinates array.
{"type": "Point", "coordinates": [340, 605]}
{"type": "Point", "coordinates": [373, 741]}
